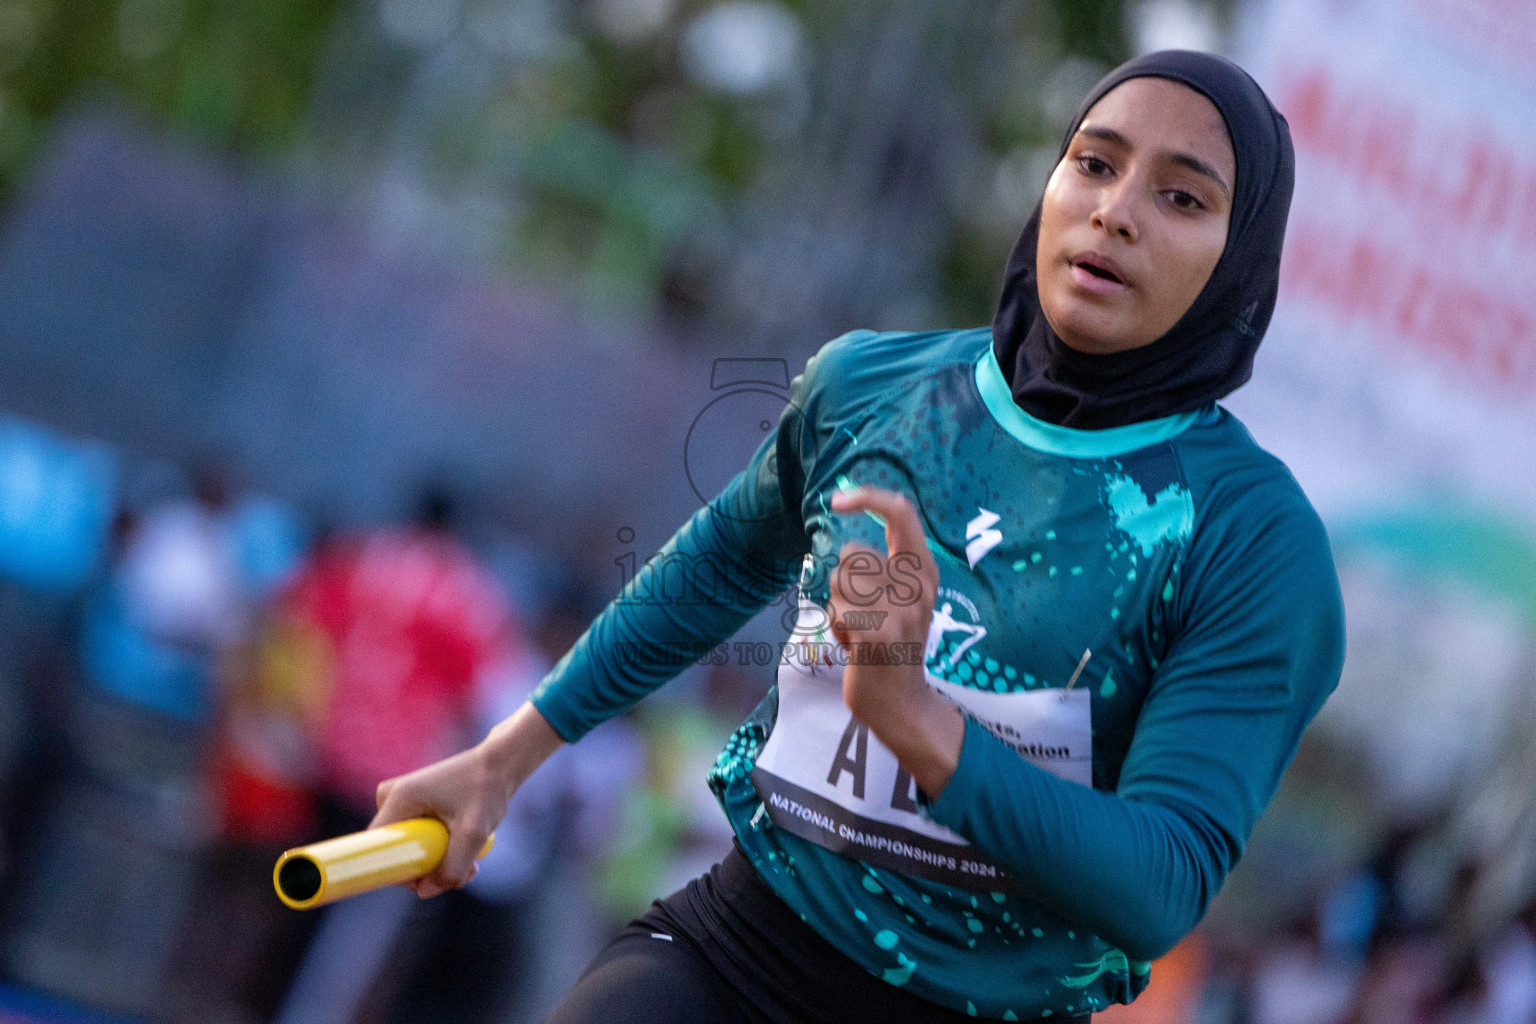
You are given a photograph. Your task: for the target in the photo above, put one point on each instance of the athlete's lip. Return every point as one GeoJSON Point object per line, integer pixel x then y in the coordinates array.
{"type": "Point", "coordinates": [1095, 279]}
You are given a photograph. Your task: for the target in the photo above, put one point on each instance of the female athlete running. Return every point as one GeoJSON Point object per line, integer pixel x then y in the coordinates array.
{"type": "Point", "coordinates": [1061, 624]}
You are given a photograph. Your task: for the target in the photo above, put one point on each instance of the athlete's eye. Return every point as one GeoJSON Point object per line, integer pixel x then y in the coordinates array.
{"type": "Point", "coordinates": [1092, 165]}
{"type": "Point", "coordinates": [1184, 200]}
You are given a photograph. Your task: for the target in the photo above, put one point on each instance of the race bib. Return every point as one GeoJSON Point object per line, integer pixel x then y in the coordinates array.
{"type": "Point", "coordinates": [825, 777]}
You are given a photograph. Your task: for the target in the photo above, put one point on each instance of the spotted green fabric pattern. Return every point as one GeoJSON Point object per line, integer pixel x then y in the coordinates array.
{"type": "Point", "coordinates": [1185, 558]}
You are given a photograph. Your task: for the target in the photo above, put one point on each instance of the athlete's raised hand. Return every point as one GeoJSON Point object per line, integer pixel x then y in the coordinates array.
{"type": "Point", "coordinates": [881, 609]}
{"type": "Point", "coordinates": [882, 604]}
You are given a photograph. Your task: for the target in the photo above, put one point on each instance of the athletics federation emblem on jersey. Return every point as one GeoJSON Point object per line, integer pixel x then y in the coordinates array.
{"type": "Point", "coordinates": [944, 621]}
{"type": "Point", "coordinates": [980, 537]}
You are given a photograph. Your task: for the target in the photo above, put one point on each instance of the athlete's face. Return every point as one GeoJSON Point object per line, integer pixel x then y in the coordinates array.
{"type": "Point", "coordinates": [1135, 215]}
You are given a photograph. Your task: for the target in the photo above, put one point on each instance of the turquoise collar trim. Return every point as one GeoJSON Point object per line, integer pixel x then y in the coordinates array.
{"type": "Point", "coordinates": [997, 396]}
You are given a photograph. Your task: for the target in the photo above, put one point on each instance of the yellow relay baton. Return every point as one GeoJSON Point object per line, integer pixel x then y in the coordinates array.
{"type": "Point", "coordinates": [324, 872]}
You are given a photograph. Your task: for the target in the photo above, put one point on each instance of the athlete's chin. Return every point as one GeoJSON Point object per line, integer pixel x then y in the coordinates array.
{"type": "Point", "coordinates": [1091, 327]}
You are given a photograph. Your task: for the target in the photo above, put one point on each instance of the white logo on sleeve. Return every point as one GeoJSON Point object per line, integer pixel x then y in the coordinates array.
{"type": "Point", "coordinates": [980, 537]}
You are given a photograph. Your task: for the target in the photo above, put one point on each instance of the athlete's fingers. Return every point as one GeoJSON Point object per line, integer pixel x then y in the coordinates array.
{"type": "Point", "coordinates": [839, 598]}
{"type": "Point", "coordinates": [428, 886]}
{"type": "Point", "coordinates": [382, 793]}
{"type": "Point", "coordinates": [903, 525]}
{"type": "Point", "coordinates": [396, 804]}
{"type": "Point", "coordinates": [905, 539]}
{"type": "Point", "coordinates": [845, 590]}
{"type": "Point", "coordinates": [465, 840]}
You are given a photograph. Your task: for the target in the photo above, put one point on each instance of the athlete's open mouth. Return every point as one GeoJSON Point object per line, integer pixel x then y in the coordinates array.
{"type": "Point", "coordinates": [1098, 271]}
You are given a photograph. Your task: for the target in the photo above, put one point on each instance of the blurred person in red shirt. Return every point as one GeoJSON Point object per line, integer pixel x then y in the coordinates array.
{"type": "Point", "coordinates": [401, 627]}
{"type": "Point", "coordinates": [410, 622]}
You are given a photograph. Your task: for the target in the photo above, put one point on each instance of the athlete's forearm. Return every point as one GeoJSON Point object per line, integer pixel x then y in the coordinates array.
{"type": "Point", "coordinates": [721, 568]}
{"type": "Point", "coordinates": [924, 730]}
{"type": "Point", "coordinates": [517, 745]}
{"type": "Point", "coordinates": [1138, 875]}
{"type": "Point", "coordinates": [892, 695]}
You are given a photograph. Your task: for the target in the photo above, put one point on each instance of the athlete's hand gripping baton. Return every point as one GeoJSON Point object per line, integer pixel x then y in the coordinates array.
{"type": "Point", "coordinates": [324, 872]}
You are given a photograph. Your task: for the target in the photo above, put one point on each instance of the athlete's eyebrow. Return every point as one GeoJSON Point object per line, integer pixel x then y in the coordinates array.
{"type": "Point", "coordinates": [1093, 131]}
{"type": "Point", "coordinates": [1189, 160]}
{"type": "Point", "coordinates": [1199, 166]}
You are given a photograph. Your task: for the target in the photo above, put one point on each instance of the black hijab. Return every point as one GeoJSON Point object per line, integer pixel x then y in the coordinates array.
{"type": "Point", "coordinates": [1209, 352]}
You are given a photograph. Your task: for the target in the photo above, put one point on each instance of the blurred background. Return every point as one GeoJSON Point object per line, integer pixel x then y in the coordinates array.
{"type": "Point", "coordinates": [354, 352]}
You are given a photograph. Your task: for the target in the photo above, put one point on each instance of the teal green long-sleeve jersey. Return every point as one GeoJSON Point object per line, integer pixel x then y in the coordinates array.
{"type": "Point", "coordinates": [1174, 567]}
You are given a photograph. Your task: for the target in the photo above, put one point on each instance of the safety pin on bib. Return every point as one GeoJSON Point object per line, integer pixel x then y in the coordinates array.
{"type": "Point", "coordinates": [1081, 664]}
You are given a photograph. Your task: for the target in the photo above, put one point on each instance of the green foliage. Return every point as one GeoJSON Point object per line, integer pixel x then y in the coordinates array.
{"type": "Point", "coordinates": [610, 160]}
{"type": "Point", "coordinates": [637, 95]}
{"type": "Point", "coordinates": [231, 74]}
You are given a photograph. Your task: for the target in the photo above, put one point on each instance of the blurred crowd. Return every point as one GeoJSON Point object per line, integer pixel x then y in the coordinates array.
{"type": "Point", "coordinates": [197, 677]}
{"type": "Point", "coordinates": [1372, 947]}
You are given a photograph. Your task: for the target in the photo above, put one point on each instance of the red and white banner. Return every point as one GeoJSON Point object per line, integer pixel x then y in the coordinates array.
{"type": "Point", "coordinates": [1402, 356]}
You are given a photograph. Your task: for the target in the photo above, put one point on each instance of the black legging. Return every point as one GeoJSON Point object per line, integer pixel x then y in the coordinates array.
{"type": "Point", "coordinates": [726, 949]}
{"type": "Point", "coordinates": [641, 979]}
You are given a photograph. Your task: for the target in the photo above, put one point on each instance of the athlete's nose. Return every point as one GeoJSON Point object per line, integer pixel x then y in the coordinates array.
{"type": "Point", "coordinates": [1114, 213]}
